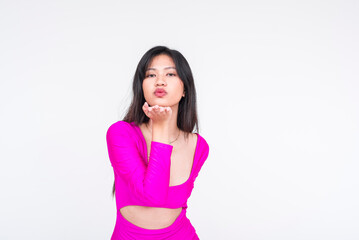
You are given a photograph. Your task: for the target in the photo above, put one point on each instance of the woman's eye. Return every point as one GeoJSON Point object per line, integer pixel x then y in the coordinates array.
{"type": "Point", "coordinates": [150, 75]}
{"type": "Point", "coordinates": [172, 74]}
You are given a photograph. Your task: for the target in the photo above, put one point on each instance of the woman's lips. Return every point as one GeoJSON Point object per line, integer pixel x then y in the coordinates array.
{"type": "Point", "coordinates": [160, 93]}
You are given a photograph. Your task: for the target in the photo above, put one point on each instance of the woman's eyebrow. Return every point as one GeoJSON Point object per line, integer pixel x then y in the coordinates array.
{"type": "Point", "coordinates": [163, 68]}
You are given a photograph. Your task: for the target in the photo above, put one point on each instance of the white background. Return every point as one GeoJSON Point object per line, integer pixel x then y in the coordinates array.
{"type": "Point", "coordinates": [277, 85]}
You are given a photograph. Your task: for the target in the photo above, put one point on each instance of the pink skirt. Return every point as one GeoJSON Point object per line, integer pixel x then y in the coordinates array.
{"type": "Point", "coordinates": [180, 229]}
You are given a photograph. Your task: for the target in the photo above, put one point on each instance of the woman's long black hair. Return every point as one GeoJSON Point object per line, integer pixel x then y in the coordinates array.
{"type": "Point", "coordinates": [187, 108]}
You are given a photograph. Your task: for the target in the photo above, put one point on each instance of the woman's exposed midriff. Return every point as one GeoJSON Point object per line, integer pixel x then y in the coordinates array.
{"type": "Point", "coordinates": [150, 217]}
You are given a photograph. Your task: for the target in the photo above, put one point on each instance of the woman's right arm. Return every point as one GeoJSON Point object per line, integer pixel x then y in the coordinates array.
{"type": "Point", "coordinates": [149, 182]}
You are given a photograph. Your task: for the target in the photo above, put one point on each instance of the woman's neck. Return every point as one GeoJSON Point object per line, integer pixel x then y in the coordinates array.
{"type": "Point", "coordinates": [173, 128]}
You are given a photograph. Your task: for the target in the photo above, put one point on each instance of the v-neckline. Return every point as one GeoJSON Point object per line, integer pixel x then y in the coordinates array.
{"type": "Point", "coordinates": [194, 157]}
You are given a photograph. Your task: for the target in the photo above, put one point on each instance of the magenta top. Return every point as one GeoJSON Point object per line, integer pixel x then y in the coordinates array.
{"type": "Point", "coordinates": [138, 182]}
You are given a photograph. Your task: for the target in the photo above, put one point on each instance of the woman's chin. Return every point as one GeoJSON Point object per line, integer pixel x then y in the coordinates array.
{"type": "Point", "coordinates": [160, 102]}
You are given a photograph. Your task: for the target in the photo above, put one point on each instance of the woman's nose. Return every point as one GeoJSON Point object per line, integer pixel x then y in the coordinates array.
{"type": "Point", "coordinates": [160, 80]}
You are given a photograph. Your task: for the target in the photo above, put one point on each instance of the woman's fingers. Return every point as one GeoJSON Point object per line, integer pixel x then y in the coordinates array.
{"type": "Point", "coordinates": [145, 108]}
{"type": "Point", "coordinates": [157, 113]}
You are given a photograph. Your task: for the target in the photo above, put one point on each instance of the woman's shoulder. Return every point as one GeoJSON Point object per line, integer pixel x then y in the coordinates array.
{"type": "Point", "coordinates": [121, 127]}
{"type": "Point", "coordinates": [202, 154]}
{"type": "Point", "coordinates": [202, 141]}
{"type": "Point", "coordinates": [202, 147]}
{"type": "Point", "coordinates": [122, 124]}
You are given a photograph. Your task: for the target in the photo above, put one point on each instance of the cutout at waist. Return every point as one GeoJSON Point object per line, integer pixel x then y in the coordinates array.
{"type": "Point", "coordinates": [130, 223]}
{"type": "Point", "coordinates": [151, 218]}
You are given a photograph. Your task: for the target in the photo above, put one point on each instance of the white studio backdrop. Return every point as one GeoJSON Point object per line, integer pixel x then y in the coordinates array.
{"type": "Point", "coordinates": [277, 87]}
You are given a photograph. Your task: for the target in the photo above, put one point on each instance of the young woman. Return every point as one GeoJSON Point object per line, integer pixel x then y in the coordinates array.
{"type": "Point", "coordinates": [154, 154]}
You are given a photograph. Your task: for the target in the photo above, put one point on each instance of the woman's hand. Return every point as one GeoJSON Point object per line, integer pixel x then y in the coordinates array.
{"type": "Point", "coordinates": [157, 114]}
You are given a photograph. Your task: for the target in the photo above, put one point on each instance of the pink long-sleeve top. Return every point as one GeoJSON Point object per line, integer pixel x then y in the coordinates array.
{"type": "Point", "coordinates": [146, 183]}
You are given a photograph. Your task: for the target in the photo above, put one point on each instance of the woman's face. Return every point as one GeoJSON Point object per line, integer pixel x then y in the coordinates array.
{"type": "Point", "coordinates": [162, 74]}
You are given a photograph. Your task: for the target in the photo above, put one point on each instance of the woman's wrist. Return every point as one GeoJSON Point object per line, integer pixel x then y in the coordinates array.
{"type": "Point", "coordinates": [160, 133]}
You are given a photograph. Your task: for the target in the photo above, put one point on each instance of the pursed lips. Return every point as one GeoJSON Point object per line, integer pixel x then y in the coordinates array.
{"type": "Point", "coordinates": [160, 90]}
